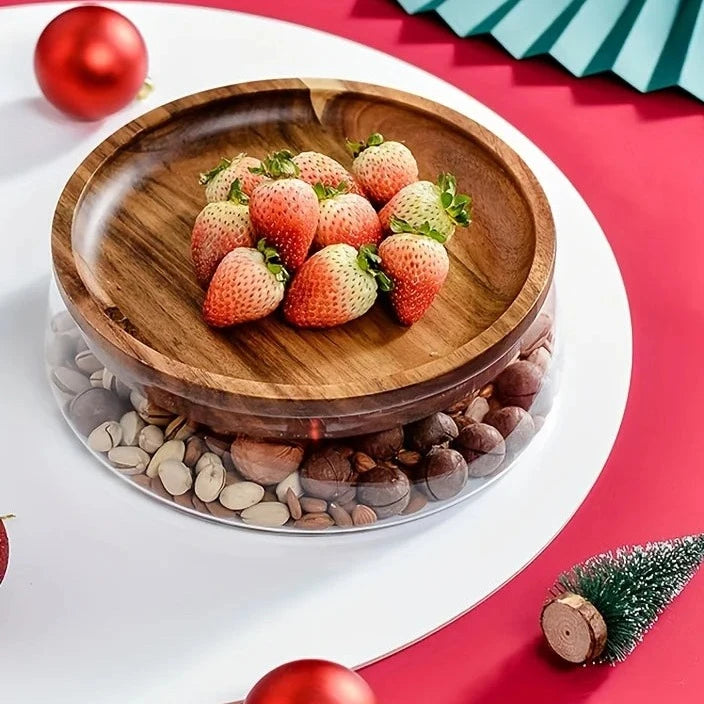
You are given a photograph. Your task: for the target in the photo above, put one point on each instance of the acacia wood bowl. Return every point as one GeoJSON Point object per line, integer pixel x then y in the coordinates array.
{"type": "Point", "coordinates": [121, 253]}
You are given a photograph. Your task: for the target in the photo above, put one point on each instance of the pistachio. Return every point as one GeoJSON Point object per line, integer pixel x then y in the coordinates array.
{"type": "Point", "coordinates": [241, 495]}
{"type": "Point", "coordinates": [129, 460]}
{"type": "Point", "coordinates": [293, 482]}
{"type": "Point", "coordinates": [209, 483]}
{"type": "Point", "coordinates": [207, 460]}
{"type": "Point", "coordinates": [96, 379]}
{"type": "Point", "coordinates": [87, 362]}
{"type": "Point", "coordinates": [106, 436]}
{"type": "Point", "coordinates": [149, 412]}
{"type": "Point", "coordinates": [271, 514]}
{"type": "Point", "coordinates": [112, 383]}
{"type": "Point", "coordinates": [132, 426]}
{"type": "Point", "coordinates": [63, 322]}
{"type": "Point", "coordinates": [180, 428]}
{"type": "Point", "coordinates": [171, 450]}
{"type": "Point", "coordinates": [175, 476]}
{"type": "Point", "coordinates": [150, 438]}
{"type": "Point", "coordinates": [69, 381]}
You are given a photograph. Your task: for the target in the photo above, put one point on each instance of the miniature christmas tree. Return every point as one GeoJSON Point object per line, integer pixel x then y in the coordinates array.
{"type": "Point", "coordinates": [602, 608]}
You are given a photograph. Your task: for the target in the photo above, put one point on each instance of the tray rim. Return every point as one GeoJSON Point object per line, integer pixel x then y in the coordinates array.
{"type": "Point", "coordinates": [90, 316]}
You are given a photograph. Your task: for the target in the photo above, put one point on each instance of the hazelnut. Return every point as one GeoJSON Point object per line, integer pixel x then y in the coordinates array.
{"type": "Point", "coordinates": [434, 430]}
{"type": "Point", "coordinates": [518, 384]}
{"type": "Point", "coordinates": [263, 461]}
{"type": "Point", "coordinates": [384, 489]}
{"type": "Point", "coordinates": [515, 425]}
{"type": "Point", "coordinates": [482, 447]}
{"type": "Point", "coordinates": [383, 445]}
{"type": "Point", "coordinates": [445, 473]}
{"type": "Point", "coordinates": [328, 473]}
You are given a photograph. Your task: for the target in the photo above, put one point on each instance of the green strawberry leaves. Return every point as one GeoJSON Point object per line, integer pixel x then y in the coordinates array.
{"type": "Point", "coordinates": [205, 178]}
{"type": "Point", "coordinates": [272, 261]}
{"type": "Point", "coordinates": [399, 226]}
{"type": "Point", "coordinates": [327, 192]}
{"type": "Point", "coordinates": [236, 194]}
{"type": "Point", "coordinates": [278, 165]}
{"type": "Point", "coordinates": [368, 260]}
{"type": "Point", "coordinates": [356, 148]}
{"type": "Point", "coordinates": [458, 207]}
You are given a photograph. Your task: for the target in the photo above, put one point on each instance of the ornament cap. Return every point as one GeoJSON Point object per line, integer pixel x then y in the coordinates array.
{"type": "Point", "coordinates": [573, 628]}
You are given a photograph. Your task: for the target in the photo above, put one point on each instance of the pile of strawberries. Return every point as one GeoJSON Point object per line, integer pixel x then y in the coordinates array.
{"type": "Point", "coordinates": [251, 245]}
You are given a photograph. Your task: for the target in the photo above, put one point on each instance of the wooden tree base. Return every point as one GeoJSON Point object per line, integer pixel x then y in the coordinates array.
{"type": "Point", "coordinates": [573, 627]}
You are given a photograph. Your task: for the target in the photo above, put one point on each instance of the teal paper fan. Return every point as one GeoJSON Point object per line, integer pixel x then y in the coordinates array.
{"type": "Point", "coordinates": [650, 44]}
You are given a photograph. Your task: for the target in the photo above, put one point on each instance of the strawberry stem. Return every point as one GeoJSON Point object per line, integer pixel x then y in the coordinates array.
{"type": "Point", "coordinates": [272, 261]}
{"type": "Point", "coordinates": [399, 226]}
{"type": "Point", "coordinates": [356, 148]}
{"type": "Point", "coordinates": [278, 165]}
{"type": "Point", "coordinates": [206, 177]}
{"type": "Point", "coordinates": [327, 192]}
{"type": "Point", "coordinates": [457, 206]}
{"type": "Point", "coordinates": [369, 261]}
{"type": "Point", "coordinates": [236, 194]}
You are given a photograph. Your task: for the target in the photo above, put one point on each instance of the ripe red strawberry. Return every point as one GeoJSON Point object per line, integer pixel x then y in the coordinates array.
{"type": "Point", "coordinates": [422, 202]}
{"type": "Point", "coordinates": [284, 210]}
{"type": "Point", "coordinates": [4, 547]}
{"type": "Point", "coordinates": [417, 264]}
{"type": "Point", "coordinates": [218, 180]}
{"type": "Point", "coordinates": [248, 285]}
{"type": "Point", "coordinates": [336, 285]}
{"type": "Point", "coordinates": [315, 168]}
{"type": "Point", "coordinates": [382, 168]}
{"type": "Point", "coordinates": [345, 218]}
{"type": "Point", "coordinates": [219, 228]}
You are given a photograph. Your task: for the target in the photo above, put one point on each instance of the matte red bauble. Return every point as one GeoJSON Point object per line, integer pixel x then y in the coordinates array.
{"type": "Point", "coordinates": [311, 681]}
{"type": "Point", "coordinates": [90, 62]}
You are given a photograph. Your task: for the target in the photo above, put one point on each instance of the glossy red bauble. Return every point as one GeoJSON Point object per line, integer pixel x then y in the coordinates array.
{"type": "Point", "coordinates": [4, 549]}
{"type": "Point", "coordinates": [311, 682]}
{"type": "Point", "coordinates": [90, 62]}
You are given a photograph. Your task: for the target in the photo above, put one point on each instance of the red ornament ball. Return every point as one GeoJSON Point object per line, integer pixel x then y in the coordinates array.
{"type": "Point", "coordinates": [90, 62]}
{"type": "Point", "coordinates": [4, 548]}
{"type": "Point", "coordinates": [311, 682]}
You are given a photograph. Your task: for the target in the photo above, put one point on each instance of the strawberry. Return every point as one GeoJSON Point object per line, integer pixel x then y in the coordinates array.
{"type": "Point", "coordinates": [219, 228]}
{"type": "Point", "coordinates": [345, 218]}
{"type": "Point", "coordinates": [284, 209]}
{"type": "Point", "coordinates": [315, 168]}
{"type": "Point", "coordinates": [336, 285]}
{"type": "Point", "coordinates": [218, 180]}
{"type": "Point", "coordinates": [417, 264]}
{"type": "Point", "coordinates": [382, 168]}
{"type": "Point", "coordinates": [438, 205]}
{"type": "Point", "coordinates": [248, 285]}
{"type": "Point", "coordinates": [4, 547]}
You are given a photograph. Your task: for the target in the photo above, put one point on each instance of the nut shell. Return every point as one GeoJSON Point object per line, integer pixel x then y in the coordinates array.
{"type": "Point", "coordinates": [445, 473]}
{"type": "Point", "coordinates": [328, 473]}
{"type": "Point", "coordinates": [429, 432]}
{"type": "Point", "coordinates": [265, 462]}
{"type": "Point", "coordinates": [515, 425]}
{"type": "Point", "coordinates": [384, 489]}
{"type": "Point", "coordinates": [482, 447]}
{"type": "Point", "coordinates": [518, 384]}
{"type": "Point", "coordinates": [383, 445]}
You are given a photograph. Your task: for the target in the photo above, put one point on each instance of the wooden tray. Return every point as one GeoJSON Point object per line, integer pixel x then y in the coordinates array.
{"type": "Point", "coordinates": [121, 255]}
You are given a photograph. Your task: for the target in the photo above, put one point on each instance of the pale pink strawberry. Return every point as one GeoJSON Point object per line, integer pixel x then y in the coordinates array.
{"type": "Point", "coordinates": [345, 218]}
{"type": "Point", "coordinates": [248, 285]}
{"type": "Point", "coordinates": [382, 168]}
{"type": "Point", "coordinates": [336, 285]}
{"type": "Point", "coordinates": [284, 209]}
{"type": "Point", "coordinates": [315, 167]}
{"type": "Point", "coordinates": [219, 228]}
{"type": "Point", "coordinates": [417, 263]}
{"type": "Point", "coordinates": [218, 180]}
{"type": "Point", "coordinates": [422, 202]}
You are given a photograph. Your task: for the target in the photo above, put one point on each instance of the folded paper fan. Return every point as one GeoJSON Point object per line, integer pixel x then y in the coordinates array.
{"type": "Point", "coordinates": [650, 44]}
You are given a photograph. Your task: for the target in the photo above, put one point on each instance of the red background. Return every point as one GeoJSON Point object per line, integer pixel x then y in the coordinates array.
{"type": "Point", "coordinates": [638, 160]}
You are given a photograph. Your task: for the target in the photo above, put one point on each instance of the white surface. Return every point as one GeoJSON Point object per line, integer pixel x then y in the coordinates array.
{"type": "Point", "coordinates": [113, 598]}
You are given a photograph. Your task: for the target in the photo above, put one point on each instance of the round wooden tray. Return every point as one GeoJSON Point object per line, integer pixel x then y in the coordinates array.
{"type": "Point", "coordinates": [121, 253]}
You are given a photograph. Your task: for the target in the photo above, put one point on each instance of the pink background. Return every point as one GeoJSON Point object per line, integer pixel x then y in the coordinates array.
{"type": "Point", "coordinates": [638, 160]}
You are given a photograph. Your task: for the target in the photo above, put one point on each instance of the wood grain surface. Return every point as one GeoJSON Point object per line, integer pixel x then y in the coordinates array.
{"type": "Point", "coordinates": [121, 254]}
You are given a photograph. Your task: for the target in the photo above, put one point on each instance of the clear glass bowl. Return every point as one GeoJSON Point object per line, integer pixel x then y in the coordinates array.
{"type": "Point", "coordinates": [308, 485]}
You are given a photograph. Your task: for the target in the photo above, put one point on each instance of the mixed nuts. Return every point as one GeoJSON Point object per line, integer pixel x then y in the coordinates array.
{"type": "Point", "coordinates": [306, 486]}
